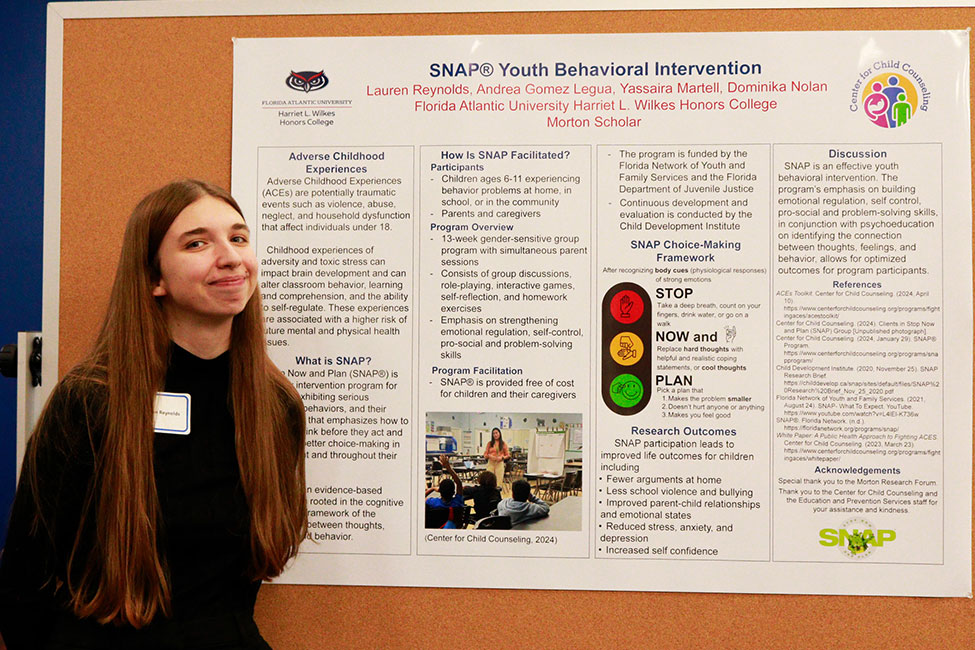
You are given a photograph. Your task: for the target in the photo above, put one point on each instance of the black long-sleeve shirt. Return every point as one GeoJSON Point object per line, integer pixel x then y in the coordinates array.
{"type": "Point", "coordinates": [204, 528]}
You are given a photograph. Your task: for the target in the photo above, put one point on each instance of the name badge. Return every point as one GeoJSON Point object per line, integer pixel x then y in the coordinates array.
{"type": "Point", "coordinates": [172, 413]}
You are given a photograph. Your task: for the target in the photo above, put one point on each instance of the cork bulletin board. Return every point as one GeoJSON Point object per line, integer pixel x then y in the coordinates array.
{"type": "Point", "coordinates": [147, 99]}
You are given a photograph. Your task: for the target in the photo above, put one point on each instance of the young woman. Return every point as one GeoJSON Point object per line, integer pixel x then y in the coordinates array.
{"type": "Point", "coordinates": [149, 522]}
{"type": "Point", "coordinates": [496, 453]}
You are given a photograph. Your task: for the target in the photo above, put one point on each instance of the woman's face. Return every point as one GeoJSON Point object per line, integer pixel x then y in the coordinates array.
{"type": "Point", "coordinates": [208, 270]}
{"type": "Point", "coordinates": [496, 434]}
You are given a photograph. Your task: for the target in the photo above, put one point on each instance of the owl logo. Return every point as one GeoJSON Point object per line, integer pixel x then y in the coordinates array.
{"type": "Point", "coordinates": [307, 80]}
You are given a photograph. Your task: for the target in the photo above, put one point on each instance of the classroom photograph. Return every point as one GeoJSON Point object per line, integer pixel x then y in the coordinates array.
{"type": "Point", "coordinates": [503, 471]}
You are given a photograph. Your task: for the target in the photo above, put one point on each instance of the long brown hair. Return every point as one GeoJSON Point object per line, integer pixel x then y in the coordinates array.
{"type": "Point", "coordinates": [500, 446]}
{"type": "Point", "coordinates": [122, 578]}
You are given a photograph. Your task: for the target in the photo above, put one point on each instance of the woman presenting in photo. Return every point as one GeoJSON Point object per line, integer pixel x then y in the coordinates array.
{"type": "Point", "coordinates": [496, 453]}
{"type": "Point", "coordinates": [165, 478]}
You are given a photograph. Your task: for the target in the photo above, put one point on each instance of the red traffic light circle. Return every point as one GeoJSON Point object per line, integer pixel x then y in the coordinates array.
{"type": "Point", "coordinates": [626, 306]}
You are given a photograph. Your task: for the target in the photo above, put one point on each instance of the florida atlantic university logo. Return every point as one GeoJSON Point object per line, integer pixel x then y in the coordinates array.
{"type": "Point", "coordinates": [307, 80]}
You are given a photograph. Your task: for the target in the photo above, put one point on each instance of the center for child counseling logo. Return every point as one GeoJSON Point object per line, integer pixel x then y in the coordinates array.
{"type": "Point", "coordinates": [890, 93]}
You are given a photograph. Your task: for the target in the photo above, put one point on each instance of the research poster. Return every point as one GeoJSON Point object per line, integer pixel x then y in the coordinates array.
{"type": "Point", "coordinates": [712, 291]}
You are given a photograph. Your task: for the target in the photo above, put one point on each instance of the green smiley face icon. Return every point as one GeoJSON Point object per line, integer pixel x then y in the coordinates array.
{"type": "Point", "coordinates": [626, 390]}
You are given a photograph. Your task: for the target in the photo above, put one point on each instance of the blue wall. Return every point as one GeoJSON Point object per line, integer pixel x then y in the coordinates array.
{"type": "Point", "coordinates": [22, 46]}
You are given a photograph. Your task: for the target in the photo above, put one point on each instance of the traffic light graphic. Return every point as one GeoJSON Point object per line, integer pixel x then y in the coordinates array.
{"type": "Point", "coordinates": [626, 362]}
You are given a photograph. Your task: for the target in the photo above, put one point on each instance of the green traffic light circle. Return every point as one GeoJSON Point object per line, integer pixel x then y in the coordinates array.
{"type": "Point", "coordinates": [626, 390]}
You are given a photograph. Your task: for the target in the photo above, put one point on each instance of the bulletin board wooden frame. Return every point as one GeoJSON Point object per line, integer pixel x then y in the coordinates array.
{"type": "Point", "coordinates": [139, 93]}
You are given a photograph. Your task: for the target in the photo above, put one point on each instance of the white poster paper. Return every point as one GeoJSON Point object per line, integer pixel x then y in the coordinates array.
{"type": "Point", "coordinates": [736, 267]}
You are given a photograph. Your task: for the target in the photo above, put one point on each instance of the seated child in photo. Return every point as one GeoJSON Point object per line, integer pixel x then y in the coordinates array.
{"type": "Point", "coordinates": [523, 505]}
{"type": "Point", "coordinates": [485, 494]}
{"type": "Point", "coordinates": [449, 499]}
